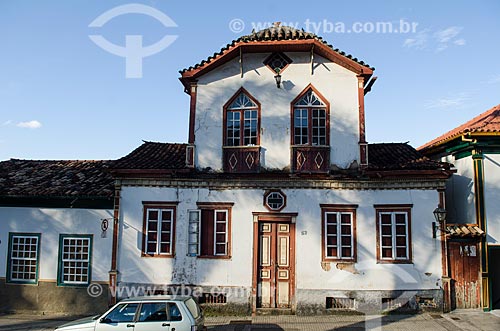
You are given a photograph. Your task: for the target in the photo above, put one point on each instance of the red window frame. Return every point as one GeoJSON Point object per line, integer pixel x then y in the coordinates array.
{"type": "Point", "coordinates": [213, 235]}
{"type": "Point", "coordinates": [390, 232]}
{"type": "Point", "coordinates": [242, 119]}
{"type": "Point", "coordinates": [148, 235]}
{"type": "Point", "coordinates": [310, 87]}
{"type": "Point", "coordinates": [330, 231]}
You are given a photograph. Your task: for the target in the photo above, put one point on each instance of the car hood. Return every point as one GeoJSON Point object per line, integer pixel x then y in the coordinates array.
{"type": "Point", "coordinates": [81, 324]}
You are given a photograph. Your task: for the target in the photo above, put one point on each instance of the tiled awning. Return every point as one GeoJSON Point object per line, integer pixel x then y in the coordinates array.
{"type": "Point", "coordinates": [464, 230]}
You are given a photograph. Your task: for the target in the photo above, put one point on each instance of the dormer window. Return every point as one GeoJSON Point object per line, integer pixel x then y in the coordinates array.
{"type": "Point", "coordinates": [242, 121]}
{"type": "Point", "coordinates": [277, 62]}
{"type": "Point", "coordinates": [310, 120]}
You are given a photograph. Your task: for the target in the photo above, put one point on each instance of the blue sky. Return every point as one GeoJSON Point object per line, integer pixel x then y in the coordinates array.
{"type": "Point", "coordinates": [63, 97]}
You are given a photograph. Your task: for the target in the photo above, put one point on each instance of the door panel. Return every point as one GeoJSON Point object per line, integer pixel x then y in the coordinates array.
{"type": "Point", "coordinates": [274, 265]}
{"type": "Point", "coordinates": [465, 267]}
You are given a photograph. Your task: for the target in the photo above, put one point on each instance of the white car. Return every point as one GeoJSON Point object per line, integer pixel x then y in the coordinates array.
{"type": "Point", "coordinates": [148, 313]}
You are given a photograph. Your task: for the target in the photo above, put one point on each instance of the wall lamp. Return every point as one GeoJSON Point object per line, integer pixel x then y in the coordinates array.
{"type": "Point", "coordinates": [277, 77]}
{"type": "Point", "coordinates": [440, 216]}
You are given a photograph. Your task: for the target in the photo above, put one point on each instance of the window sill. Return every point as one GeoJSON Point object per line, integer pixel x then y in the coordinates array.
{"type": "Point", "coordinates": [394, 262]}
{"type": "Point", "coordinates": [215, 257]}
{"type": "Point", "coordinates": [59, 284]}
{"type": "Point", "coordinates": [15, 282]}
{"type": "Point", "coordinates": [241, 147]}
{"type": "Point", "coordinates": [310, 146]}
{"type": "Point", "coordinates": [168, 256]}
{"type": "Point", "coordinates": [339, 260]}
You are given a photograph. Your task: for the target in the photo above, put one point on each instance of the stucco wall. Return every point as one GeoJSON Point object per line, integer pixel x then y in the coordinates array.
{"type": "Point", "coordinates": [337, 84]}
{"type": "Point", "coordinates": [51, 223]}
{"type": "Point", "coordinates": [47, 296]}
{"type": "Point", "coordinates": [423, 273]}
{"type": "Point", "coordinates": [492, 196]}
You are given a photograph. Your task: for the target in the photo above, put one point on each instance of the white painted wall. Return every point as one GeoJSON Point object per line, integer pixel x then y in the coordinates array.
{"type": "Point", "coordinates": [238, 270]}
{"type": "Point", "coordinates": [337, 84]}
{"type": "Point", "coordinates": [52, 222]}
{"type": "Point", "coordinates": [492, 196]}
{"type": "Point", "coordinates": [460, 191]}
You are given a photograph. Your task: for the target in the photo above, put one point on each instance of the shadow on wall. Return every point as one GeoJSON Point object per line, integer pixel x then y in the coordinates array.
{"type": "Point", "coordinates": [460, 200]}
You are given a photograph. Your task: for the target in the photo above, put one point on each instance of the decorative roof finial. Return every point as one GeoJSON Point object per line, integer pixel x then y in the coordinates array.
{"type": "Point", "coordinates": [277, 24]}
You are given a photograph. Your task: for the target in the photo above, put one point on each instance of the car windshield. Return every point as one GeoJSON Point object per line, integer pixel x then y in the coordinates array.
{"type": "Point", "coordinates": [193, 307]}
{"type": "Point", "coordinates": [122, 313]}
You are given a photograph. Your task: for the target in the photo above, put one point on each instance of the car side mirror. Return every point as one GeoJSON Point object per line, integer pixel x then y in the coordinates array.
{"type": "Point", "coordinates": [105, 320]}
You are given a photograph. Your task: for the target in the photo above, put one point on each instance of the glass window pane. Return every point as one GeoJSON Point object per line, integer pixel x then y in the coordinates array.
{"type": "Point", "coordinates": [174, 312]}
{"type": "Point", "coordinates": [122, 313]}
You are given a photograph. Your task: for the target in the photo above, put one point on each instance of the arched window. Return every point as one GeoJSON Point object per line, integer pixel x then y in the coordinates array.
{"type": "Point", "coordinates": [310, 119]}
{"type": "Point", "coordinates": [241, 120]}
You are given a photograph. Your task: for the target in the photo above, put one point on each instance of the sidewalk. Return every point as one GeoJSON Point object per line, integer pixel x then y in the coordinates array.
{"type": "Point", "coordinates": [456, 321]}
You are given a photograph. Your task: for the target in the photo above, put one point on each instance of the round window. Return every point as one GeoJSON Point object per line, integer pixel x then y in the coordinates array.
{"type": "Point", "coordinates": [275, 201]}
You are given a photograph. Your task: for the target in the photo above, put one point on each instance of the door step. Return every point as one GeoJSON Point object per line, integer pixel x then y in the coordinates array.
{"type": "Point", "coordinates": [274, 311]}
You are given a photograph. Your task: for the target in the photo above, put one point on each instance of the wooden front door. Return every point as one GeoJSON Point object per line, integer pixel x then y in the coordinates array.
{"type": "Point", "coordinates": [275, 258]}
{"type": "Point", "coordinates": [465, 284]}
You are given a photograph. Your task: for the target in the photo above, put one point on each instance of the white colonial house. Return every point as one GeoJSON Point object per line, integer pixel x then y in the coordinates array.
{"type": "Point", "coordinates": [472, 196]}
{"type": "Point", "coordinates": [277, 201]}
{"type": "Point", "coordinates": [52, 243]}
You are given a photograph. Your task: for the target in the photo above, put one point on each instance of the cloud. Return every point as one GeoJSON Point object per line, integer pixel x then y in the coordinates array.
{"type": "Point", "coordinates": [495, 79]}
{"type": "Point", "coordinates": [457, 101]}
{"type": "Point", "coordinates": [438, 40]}
{"type": "Point", "coordinates": [29, 125]}
{"type": "Point", "coordinates": [7, 123]}
{"type": "Point", "coordinates": [419, 41]}
{"type": "Point", "coordinates": [447, 37]}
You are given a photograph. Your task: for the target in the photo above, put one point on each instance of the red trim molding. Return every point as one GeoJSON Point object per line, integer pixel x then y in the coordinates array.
{"type": "Point", "coordinates": [113, 273]}
{"type": "Point", "coordinates": [335, 208]}
{"type": "Point", "coordinates": [363, 151]}
{"type": "Point", "coordinates": [193, 87]}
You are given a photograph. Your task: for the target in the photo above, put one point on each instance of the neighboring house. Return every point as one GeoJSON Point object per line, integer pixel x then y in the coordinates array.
{"type": "Point", "coordinates": [472, 202]}
{"type": "Point", "coordinates": [51, 242]}
{"type": "Point", "coordinates": [277, 200]}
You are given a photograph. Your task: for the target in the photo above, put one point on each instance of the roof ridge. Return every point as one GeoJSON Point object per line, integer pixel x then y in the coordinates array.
{"type": "Point", "coordinates": [162, 143]}
{"type": "Point", "coordinates": [54, 160]}
{"type": "Point", "coordinates": [275, 33]}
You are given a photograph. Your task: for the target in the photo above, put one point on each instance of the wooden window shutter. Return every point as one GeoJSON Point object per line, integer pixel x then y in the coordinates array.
{"type": "Point", "coordinates": [207, 232]}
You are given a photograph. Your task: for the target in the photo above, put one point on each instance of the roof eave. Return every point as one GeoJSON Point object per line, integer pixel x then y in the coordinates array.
{"type": "Point", "coordinates": [268, 46]}
{"type": "Point", "coordinates": [434, 174]}
{"type": "Point", "coordinates": [146, 172]}
{"type": "Point", "coordinates": [440, 146]}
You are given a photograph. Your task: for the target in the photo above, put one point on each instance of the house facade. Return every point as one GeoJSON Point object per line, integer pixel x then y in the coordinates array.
{"type": "Point", "coordinates": [54, 240]}
{"type": "Point", "coordinates": [472, 195]}
{"type": "Point", "coordinates": [277, 200]}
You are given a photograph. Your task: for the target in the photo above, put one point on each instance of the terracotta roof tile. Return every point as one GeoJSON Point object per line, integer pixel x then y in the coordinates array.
{"type": "Point", "coordinates": [464, 230]}
{"type": "Point", "coordinates": [274, 33]}
{"type": "Point", "coordinates": [26, 178]}
{"type": "Point", "coordinates": [400, 156]}
{"type": "Point", "coordinates": [154, 155]}
{"type": "Point", "coordinates": [489, 121]}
